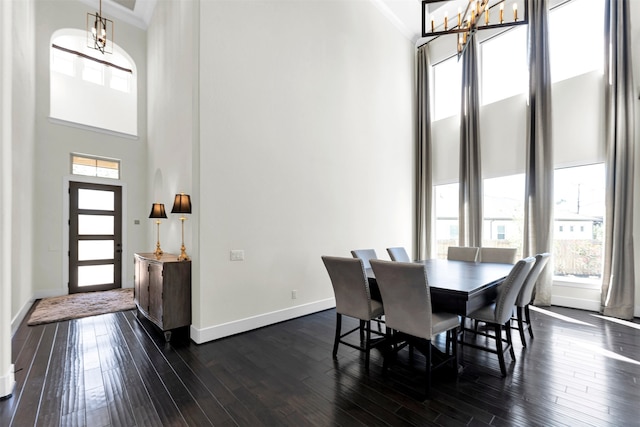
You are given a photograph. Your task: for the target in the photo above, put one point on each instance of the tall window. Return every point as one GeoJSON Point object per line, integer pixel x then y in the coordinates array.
{"type": "Point", "coordinates": [446, 210]}
{"type": "Point", "coordinates": [504, 65]}
{"type": "Point", "coordinates": [579, 212]}
{"type": "Point", "coordinates": [88, 92]}
{"type": "Point", "coordinates": [503, 212]}
{"type": "Point", "coordinates": [447, 84]}
{"type": "Point", "coordinates": [573, 53]}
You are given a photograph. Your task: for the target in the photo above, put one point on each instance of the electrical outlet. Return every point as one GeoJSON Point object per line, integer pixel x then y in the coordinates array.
{"type": "Point", "coordinates": [236, 255]}
{"type": "Point", "coordinates": [294, 294]}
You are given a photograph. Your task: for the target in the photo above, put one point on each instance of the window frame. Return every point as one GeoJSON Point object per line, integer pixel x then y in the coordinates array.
{"type": "Point", "coordinates": [94, 159]}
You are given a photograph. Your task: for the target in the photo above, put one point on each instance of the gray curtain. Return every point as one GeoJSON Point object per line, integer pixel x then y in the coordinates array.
{"type": "Point", "coordinates": [618, 279]}
{"type": "Point", "coordinates": [424, 185]}
{"type": "Point", "coordinates": [538, 217]}
{"type": "Point", "coordinates": [470, 208]}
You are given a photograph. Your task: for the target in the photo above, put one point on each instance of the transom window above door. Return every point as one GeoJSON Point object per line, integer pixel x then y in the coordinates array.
{"type": "Point", "coordinates": [95, 166]}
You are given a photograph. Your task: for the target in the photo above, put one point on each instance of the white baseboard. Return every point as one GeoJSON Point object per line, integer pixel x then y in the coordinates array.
{"type": "Point", "coordinates": [17, 320]}
{"type": "Point", "coordinates": [7, 382]}
{"type": "Point", "coordinates": [49, 293]}
{"type": "Point", "coordinates": [243, 325]}
{"type": "Point", "coordinates": [583, 304]}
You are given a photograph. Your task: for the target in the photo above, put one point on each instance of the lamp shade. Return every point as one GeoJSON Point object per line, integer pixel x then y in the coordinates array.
{"type": "Point", "coordinates": [182, 204]}
{"type": "Point", "coordinates": [157, 211]}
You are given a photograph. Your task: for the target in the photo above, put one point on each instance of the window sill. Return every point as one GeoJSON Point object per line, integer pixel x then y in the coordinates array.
{"type": "Point", "coordinates": [576, 282]}
{"type": "Point", "coordinates": [92, 128]}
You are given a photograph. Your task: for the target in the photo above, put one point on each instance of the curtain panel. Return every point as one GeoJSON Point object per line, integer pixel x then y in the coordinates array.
{"type": "Point", "coordinates": [470, 208]}
{"type": "Point", "coordinates": [539, 200]}
{"type": "Point", "coordinates": [618, 279]}
{"type": "Point", "coordinates": [424, 185]}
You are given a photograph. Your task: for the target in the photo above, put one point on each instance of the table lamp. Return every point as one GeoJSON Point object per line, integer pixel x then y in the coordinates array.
{"type": "Point", "coordinates": [157, 212]}
{"type": "Point", "coordinates": [182, 205]}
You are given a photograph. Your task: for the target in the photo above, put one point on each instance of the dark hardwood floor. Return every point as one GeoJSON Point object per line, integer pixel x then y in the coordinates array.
{"type": "Point", "coordinates": [114, 370]}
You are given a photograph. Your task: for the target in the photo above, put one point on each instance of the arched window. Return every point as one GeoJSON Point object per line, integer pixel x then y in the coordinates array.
{"type": "Point", "coordinates": [90, 88]}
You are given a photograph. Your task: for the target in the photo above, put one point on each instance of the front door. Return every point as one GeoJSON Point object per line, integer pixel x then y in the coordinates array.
{"type": "Point", "coordinates": [95, 237]}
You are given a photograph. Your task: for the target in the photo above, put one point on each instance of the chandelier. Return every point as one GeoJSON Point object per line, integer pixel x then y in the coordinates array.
{"type": "Point", "coordinates": [99, 32]}
{"type": "Point", "coordinates": [477, 15]}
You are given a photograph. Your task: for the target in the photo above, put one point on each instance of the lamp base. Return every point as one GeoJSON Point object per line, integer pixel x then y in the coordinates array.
{"type": "Point", "coordinates": [183, 254]}
{"type": "Point", "coordinates": [158, 253]}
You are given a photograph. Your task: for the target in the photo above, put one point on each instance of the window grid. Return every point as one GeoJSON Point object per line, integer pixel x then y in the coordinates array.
{"type": "Point", "coordinates": [95, 166]}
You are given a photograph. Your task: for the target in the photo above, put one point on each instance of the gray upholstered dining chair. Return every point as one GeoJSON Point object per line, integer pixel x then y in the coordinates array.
{"type": "Point", "coordinates": [365, 255]}
{"type": "Point", "coordinates": [407, 298]}
{"type": "Point", "coordinates": [398, 254]}
{"type": "Point", "coordinates": [525, 296]}
{"type": "Point", "coordinates": [462, 253]}
{"type": "Point", "coordinates": [498, 255]}
{"type": "Point", "coordinates": [498, 314]}
{"type": "Point", "coordinates": [353, 299]}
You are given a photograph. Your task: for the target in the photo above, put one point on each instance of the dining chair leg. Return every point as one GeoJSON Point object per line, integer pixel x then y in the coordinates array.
{"type": "Point", "coordinates": [336, 341]}
{"type": "Point", "coordinates": [498, 332]}
{"type": "Point", "coordinates": [512, 352]}
{"type": "Point", "coordinates": [454, 350]}
{"type": "Point", "coordinates": [367, 345]}
{"type": "Point", "coordinates": [428, 368]}
{"type": "Point", "coordinates": [361, 331]}
{"type": "Point", "coordinates": [447, 343]}
{"type": "Point", "coordinates": [528, 319]}
{"type": "Point", "coordinates": [521, 326]}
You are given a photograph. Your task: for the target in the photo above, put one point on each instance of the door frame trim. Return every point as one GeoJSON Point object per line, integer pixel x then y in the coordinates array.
{"type": "Point", "coordinates": [127, 282]}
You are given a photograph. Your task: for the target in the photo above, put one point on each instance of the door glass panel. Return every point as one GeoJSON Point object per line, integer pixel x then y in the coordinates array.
{"type": "Point", "coordinates": [95, 224]}
{"type": "Point", "coordinates": [95, 275]}
{"type": "Point", "coordinates": [95, 249]}
{"type": "Point", "coordinates": [95, 199]}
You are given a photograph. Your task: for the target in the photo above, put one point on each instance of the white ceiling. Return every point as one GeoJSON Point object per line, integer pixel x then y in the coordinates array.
{"type": "Point", "coordinates": [134, 12]}
{"type": "Point", "coordinates": [404, 14]}
{"type": "Point", "coordinates": [407, 14]}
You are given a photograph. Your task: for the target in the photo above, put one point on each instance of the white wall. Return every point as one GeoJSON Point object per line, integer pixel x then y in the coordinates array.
{"type": "Point", "coordinates": [7, 380]}
{"type": "Point", "coordinates": [307, 148]}
{"type": "Point", "coordinates": [23, 131]}
{"type": "Point", "coordinates": [172, 126]}
{"type": "Point", "coordinates": [55, 142]}
{"type": "Point", "coordinates": [17, 92]}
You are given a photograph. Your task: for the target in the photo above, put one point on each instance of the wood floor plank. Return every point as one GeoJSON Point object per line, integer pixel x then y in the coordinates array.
{"type": "Point", "coordinates": [165, 408]}
{"type": "Point", "coordinates": [22, 364]}
{"type": "Point", "coordinates": [31, 396]}
{"type": "Point", "coordinates": [54, 382]}
{"type": "Point", "coordinates": [115, 370]}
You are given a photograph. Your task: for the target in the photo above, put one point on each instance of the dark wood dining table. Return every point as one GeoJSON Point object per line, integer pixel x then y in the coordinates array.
{"type": "Point", "coordinates": [458, 286]}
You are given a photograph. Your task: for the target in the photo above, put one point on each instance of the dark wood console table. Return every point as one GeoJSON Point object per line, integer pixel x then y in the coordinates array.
{"type": "Point", "coordinates": [163, 290]}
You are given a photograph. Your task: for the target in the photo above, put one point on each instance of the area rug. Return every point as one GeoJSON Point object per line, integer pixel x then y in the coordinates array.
{"type": "Point", "coordinates": [75, 306]}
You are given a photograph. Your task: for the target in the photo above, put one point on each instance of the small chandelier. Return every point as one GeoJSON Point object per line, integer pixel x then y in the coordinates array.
{"type": "Point", "coordinates": [478, 15]}
{"type": "Point", "coordinates": [99, 32]}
